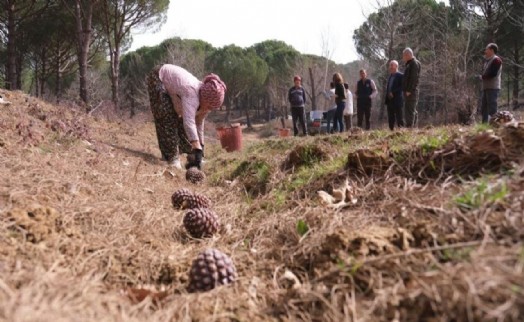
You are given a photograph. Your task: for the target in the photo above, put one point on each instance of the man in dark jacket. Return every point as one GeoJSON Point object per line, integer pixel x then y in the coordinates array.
{"type": "Point", "coordinates": [491, 81]}
{"type": "Point", "coordinates": [297, 99]}
{"type": "Point", "coordinates": [365, 91]}
{"type": "Point", "coordinates": [394, 99]}
{"type": "Point", "coordinates": [410, 87]}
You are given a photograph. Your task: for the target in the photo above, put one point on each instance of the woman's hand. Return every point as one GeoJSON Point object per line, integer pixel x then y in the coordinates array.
{"type": "Point", "coordinates": [195, 159]}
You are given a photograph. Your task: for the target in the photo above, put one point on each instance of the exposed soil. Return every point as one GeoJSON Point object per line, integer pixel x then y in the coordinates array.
{"type": "Point", "coordinates": [89, 232]}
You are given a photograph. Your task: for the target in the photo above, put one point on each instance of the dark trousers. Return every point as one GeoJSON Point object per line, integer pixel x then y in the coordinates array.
{"type": "Point", "coordinates": [330, 116]}
{"type": "Point", "coordinates": [364, 110]}
{"type": "Point", "coordinates": [348, 119]}
{"type": "Point", "coordinates": [395, 115]}
{"type": "Point", "coordinates": [298, 114]}
{"type": "Point", "coordinates": [410, 109]}
{"type": "Point", "coordinates": [489, 103]}
{"type": "Point", "coordinates": [338, 120]}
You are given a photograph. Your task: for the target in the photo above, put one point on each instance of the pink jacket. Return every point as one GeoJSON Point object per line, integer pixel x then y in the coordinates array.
{"type": "Point", "coordinates": [183, 88]}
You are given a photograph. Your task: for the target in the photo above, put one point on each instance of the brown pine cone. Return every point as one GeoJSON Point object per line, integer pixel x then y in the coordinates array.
{"type": "Point", "coordinates": [195, 176]}
{"type": "Point", "coordinates": [185, 199]}
{"type": "Point", "coordinates": [201, 222]}
{"type": "Point", "coordinates": [210, 269]}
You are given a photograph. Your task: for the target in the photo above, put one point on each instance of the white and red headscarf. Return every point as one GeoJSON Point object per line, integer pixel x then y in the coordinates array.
{"type": "Point", "coordinates": [212, 92]}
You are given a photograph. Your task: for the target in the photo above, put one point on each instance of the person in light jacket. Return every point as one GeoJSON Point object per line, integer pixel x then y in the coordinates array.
{"type": "Point", "coordinates": [297, 99]}
{"type": "Point", "coordinates": [348, 111]}
{"type": "Point", "coordinates": [180, 102]}
{"type": "Point", "coordinates": [491, 80]}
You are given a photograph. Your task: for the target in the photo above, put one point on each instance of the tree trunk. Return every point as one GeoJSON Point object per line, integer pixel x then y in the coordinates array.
{"type": "Point", "coordinates": [58, 85]}
{"type": "Point", "coordinates": [313, 92]}
{"type": "Point", "coordinates": [115, 70]}
{"type": "Point", "coordinates": [36, 80]}
{"type": "Point", "coordinates": [228, 110]}
{"type": "Point", "coordinates": [43, 71]}
{"type": "Point", "coordinates": [132, 102]}
{"type": "Point", "coordinates": [18, 74]}
{"type": "Point", "coordinates": [248, 119]}
{"type": "Point", "coordinates": [516, 75]}
{"type": "Point", "coordinates": [84, 33]}
{"type": "Point", "coordinates": [11, 81]}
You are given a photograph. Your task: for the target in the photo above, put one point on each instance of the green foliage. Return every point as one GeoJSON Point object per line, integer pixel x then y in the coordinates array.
{"type": "Point", "coordinates": [305, 175]}
{"type": "Point", "coordinates": [310, 154]}
{"type": "Point", "coordinates": [270, 146]}
{"type": "Point", "coordinates": [134, 67]}
{"type": "Point", "coordinates": [258, 169]}
{"type": "Point", "coordinates": [481, 127]}
{"type": "Point", "coordinates": [347, 267]}
{"type": "Point", "coordinates": [222, 170]}
{"type": "Point", "coordinates": [241, 69]}
{"type": "Point", "coordinates": [482, 193]}
{"type": "Point", "coordinates": [280, 58]}
{"type": "Point", "coordinates": [302, 227]}
{"type": "Point", "coordinates": [431, 143]}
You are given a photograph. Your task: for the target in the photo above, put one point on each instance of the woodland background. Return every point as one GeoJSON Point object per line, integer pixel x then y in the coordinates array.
{"type": "Point", "coordinates": [76, 52]}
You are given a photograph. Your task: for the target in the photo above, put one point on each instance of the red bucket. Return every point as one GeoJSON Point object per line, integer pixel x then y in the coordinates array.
{"type": "Point", "coordinates": [230, 138]}
{"type": "Point", "coordinates": [284, 132]}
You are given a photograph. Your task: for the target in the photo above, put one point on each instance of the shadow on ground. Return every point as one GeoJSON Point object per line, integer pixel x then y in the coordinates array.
{"type": "Point", "coordinates": [147, 157]}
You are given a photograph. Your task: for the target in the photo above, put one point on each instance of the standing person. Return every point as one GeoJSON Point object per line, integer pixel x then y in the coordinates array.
{"type": "Point", "coordinates": [340, 100]}
{"type": "Point", "coordinates": [348, 111]}
{"type": "Point", "coordinates": [365, 91]}
{"type": "Point", "coordinates": [180, 102]}
{"type": "Point", "coordinates": [394, 99]}
{"type": "Point", "coordinates": [332, 106]}
{"type": "Point", "coordinates": [410, 82]}
{"type": "Point", "coordinates": [297, 99]}
{"type": "Point", "coordinates": [491, 81]}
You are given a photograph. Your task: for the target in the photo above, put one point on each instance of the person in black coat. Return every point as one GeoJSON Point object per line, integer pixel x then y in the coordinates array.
{"type": "Point", "coordinates": [410, 87]}
{"type": "Point", "coordinates": [394, 99]}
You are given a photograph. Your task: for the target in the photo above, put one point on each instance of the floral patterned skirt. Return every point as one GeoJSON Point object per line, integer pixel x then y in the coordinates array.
{"type": "Point", "coordinates": [171, 136]}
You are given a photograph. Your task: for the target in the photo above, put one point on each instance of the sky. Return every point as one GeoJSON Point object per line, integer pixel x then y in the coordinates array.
{"type": "Point", "coordinates": [307, 25]}
{"type": "Point", "coordinates": [319, 27]}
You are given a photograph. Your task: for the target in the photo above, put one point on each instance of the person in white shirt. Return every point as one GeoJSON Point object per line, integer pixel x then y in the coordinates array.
{"type": "Point", "coordinates": [348, 111]}
{"type": "Point", "coordinates": [365, 91]}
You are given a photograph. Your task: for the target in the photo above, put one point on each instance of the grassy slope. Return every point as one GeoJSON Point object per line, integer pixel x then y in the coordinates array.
{"type": "Point", "coordinates": [115, 228]}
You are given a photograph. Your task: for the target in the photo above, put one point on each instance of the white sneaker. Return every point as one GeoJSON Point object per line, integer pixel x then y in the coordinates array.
{"type": "Point", "coordinates": [175, 163]}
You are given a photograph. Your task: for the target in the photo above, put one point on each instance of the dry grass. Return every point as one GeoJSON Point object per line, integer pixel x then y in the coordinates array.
{"type": "Point", "coordinates": [86, 214]}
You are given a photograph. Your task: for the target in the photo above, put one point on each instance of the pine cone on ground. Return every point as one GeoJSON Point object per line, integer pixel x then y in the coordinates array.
{"type": "Point", "coordinates": [185, 199]}
{"type": "Point", "coordinates": [501, 117]}
{"type": "Point", "coordinates": [195, 176]}
{"type": "Point", "coordinates": [210, 269]}
{"type": "Point", "coordinates": [201, 222]}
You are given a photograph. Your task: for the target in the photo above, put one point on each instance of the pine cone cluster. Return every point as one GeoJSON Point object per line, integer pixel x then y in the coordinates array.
{"type": "Point", "coordinates": [185, 199]}
{"type": "Point", "coordinates": [211, 268]}
{"type": "Point", "coordinates": [195, 176]}
{"type": "Point", "coordinates": [201, 222]}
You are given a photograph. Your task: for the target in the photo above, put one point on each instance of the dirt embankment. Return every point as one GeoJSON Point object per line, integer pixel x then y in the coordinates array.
{"type": "Point", "coordinates": [435, 232]}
